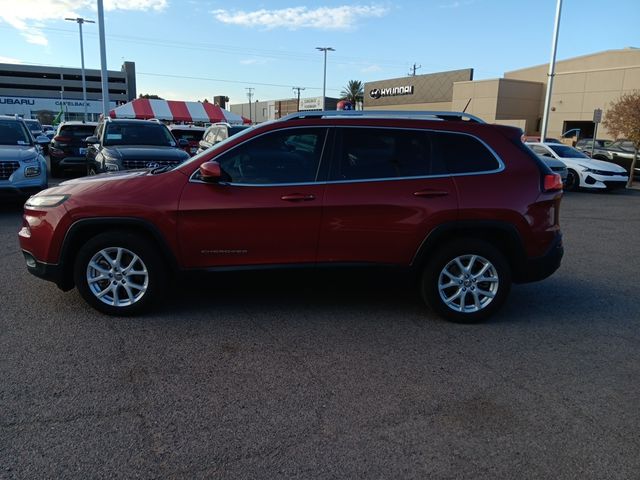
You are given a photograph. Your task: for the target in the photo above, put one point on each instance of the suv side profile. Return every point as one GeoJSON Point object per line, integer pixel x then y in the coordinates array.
{"type": "Point", "coordinates": [131, 144]}
{"type": "Point", "coordinates": [464, 203]}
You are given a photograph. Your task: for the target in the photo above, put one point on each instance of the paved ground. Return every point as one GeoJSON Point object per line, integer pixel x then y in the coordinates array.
{"type": "Point", "coordinates": [322, 376]}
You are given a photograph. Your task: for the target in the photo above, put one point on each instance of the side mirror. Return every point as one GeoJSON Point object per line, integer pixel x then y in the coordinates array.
{"type": "Point", "coordinates": [42, 139]}
{"type": "Point", "coordinates": [210, 171]}
{"type": "Point", "coordinates": [183, 143]}
{"type": "Point", "coordinates": [92, 139]}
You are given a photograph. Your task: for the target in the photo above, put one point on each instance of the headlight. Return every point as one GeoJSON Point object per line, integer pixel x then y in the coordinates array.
{"type": "Point", "coordinates": [30, 160]}
{"type": "Point", "coordinates": [46, 200]}
{"type": "Point", "coordinates": [33, 171]}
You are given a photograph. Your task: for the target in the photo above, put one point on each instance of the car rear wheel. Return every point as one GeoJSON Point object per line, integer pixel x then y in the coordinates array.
{"type": "Point", "coordinates": [466, 281]}
{"type": "Point", "coordinates": [119, 273]}
{"type": "Point", "coordinates": [573, 181]}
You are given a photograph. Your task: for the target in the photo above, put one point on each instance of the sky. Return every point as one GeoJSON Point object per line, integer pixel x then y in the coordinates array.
{"type": "Point", "coordinates": [196, 49]}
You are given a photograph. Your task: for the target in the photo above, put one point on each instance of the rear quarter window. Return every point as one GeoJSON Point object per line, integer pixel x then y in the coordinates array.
{"type": "Point", "coordinates": [463, 153]}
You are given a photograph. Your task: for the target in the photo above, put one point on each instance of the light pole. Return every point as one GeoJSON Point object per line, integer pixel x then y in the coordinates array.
{"type": "Point", "coordinates": [80, 21]}
{"type": "Point", "coordinates": [551, 74]}
{"type": "Point", "coordinates": [324, 82]}
{"type": "Point", "coordinates": [249, 95]}
{"type": "Point", "coordinates": [103, 61]}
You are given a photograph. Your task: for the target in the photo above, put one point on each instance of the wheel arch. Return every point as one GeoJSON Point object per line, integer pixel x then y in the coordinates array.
{"type": "Point", "coordinates": [82, 230]}
{"type": "Point", "coordinates": [504, 236]}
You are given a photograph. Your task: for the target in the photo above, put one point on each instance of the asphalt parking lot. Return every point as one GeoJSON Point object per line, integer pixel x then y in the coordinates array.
{"type": "Point", "coordinates": [309, 375]}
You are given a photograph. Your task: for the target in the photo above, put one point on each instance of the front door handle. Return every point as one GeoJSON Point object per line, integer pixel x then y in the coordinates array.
{"type": "Point", "coordinates": [429, 193]}
{"type": "Point", "coordinates": [298, 197]}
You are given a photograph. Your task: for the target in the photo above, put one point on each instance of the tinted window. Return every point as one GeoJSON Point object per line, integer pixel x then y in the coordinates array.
{"type": "Point", "coordinates": [13, 133]}
{"type": "Point", "coordinates": [286, 156]}
{"type": "Point", "coordinates": [563, 151]}
{"type": "Point", "coordinates": [77, 131]}
{"type": "Point", "coordinates": [464, 154]}
{"type": "Point", "coordinates": [367, 153]}
{"type": "Point", "coordinates": [541, 150]}
{"type": "Point", "coordinates": [150, 133]}
{"type": "Point", "coordinates": [187, 134]}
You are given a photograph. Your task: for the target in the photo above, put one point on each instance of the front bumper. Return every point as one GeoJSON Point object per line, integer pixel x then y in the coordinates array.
{"type": "Point", "coordinates": [602, 182]}
{"type": "Point", "coordinates": [50, 272]}
{"type": "Point", "coordinates": [539, 268]}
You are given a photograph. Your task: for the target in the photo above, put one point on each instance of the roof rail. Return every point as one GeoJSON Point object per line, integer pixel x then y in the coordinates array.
{"type": "Point", "coordinates": [411, 114]}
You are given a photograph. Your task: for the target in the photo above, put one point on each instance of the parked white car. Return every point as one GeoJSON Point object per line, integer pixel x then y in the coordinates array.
{"type": "Point", "coordinates": [582, 171]}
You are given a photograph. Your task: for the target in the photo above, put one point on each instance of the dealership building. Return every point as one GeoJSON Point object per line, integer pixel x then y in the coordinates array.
{"type": "Point", "coordinates": [42, 92]}
{"type": "Point", "coordinates": [270, 110]}
{"type": "Point", "coordinates": [581, 85]}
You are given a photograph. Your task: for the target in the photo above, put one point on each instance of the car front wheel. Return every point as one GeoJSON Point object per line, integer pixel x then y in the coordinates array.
{"type": "Point", "coordinates": [573, 181]}
{"type": "Point", "coordinates": [119, 273]}
{"type": "Point", "coordinates": [466, 281]}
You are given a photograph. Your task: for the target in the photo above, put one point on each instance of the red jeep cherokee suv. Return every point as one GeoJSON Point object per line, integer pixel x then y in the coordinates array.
{"type": "Point", "coordinates": [464, 202]}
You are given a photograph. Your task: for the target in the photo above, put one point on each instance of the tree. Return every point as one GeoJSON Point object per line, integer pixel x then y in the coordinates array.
{"type": "Point", "coordinates": [150, 96]}
{"type": "Point", "coordinates": [623, 121]}
{"type": "Point", "coordinates": [353, 92]}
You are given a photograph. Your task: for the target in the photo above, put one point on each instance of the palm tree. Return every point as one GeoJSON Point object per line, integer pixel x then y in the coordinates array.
{"type": "Point", "coordinates": [353, 92]}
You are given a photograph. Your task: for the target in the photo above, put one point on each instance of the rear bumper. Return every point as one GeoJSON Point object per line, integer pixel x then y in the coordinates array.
{"type": "Point", "coordinates": [539, 268]}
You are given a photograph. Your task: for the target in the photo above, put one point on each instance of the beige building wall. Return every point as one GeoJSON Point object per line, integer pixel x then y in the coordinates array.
{"type": "Point", "coordinates": [585, 83]}
{"type": "Point", "coordinates": [500, 100]}
{"type": "Point", "coordinates": [438, 106]}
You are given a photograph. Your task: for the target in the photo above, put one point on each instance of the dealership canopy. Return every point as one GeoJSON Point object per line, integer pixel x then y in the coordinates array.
{"type": "Point", "coordinates": [176, 111]}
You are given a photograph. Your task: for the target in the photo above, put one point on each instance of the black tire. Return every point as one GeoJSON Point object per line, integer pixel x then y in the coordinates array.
{"type": "Point", "coordinates": [142, 289]}
{"type": "Point", "coordinates": [573, 181]}
{"type": "Point", "coordinates": [465, 249]}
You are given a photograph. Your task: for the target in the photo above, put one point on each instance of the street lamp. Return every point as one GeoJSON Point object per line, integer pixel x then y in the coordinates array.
{"type": "Point", "coordinates": [324, 83]}
{"type": "Point", "coordinates": [80, 21]}
{"type": "Point", "coordinates": [551, 74]}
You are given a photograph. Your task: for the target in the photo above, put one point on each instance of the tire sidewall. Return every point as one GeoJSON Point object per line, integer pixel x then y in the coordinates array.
{"type": "Point", "coordinates": [572, 187]}
{"type": "Point", "coordinates": [429, 283]}
{"type": "Point", "coordinates": [147, 253]}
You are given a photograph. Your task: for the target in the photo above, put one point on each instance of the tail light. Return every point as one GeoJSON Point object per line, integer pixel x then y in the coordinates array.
{"type": "Point", "coordinates": [552, 182]}
{"type": "Point", "coordinates": [58, 138]}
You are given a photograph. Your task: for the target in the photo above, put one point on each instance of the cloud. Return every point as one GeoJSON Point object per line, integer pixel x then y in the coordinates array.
{"type": "Point", "coordinates": [371, 69]}
{"type": "Point", "coordinates": [294, 18]}
{"type": "Point", "coordinates": [253, 61]}
{"type": "Point", "coordinates": [28, 16]}
{"type": "Point", "coordinates": [457, 4]}
{"type": "Point", "coordinates": [9, 60]}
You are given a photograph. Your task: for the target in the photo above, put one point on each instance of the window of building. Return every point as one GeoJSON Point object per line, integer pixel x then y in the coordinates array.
{"type": "Point", "coordinates": [285, 156]}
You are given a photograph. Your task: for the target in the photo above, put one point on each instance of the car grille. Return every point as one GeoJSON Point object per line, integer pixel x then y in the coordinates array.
{"type": "Point", "coordinates": [142, 163]}
{"type": "Point", "coordinates": [7, 169]}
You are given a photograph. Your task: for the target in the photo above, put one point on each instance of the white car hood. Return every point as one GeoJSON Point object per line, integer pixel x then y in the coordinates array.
{"type": "Point", "coordinates": [594, 164]}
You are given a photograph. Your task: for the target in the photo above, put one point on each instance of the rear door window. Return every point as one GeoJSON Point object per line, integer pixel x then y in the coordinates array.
{"type": "Point", "coordinates": [379, 153]}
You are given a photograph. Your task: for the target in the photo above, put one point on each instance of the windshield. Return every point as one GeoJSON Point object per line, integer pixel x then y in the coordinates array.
{"type": "Point", "coordinates": [148, 133]}
{"type": "Point", "coordinates": [13, 133]}
{"type": "Point", "coordinates": [563, 151]}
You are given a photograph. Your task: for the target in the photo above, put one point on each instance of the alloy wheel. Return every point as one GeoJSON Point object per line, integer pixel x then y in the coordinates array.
{"type": "Point", "coordinates": [117, 276]}
{"type": "Point", "coordinates": [468, 283]}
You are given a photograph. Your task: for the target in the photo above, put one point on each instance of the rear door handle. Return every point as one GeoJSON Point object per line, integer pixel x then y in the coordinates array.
{"type": "Point", "coordinates": [428, 193]}
{"type": "Point", "coordinates": [298, 197]}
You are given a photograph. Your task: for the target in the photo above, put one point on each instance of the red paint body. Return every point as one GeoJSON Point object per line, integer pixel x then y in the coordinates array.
{"type": "Point", "coordinates": [382, 222]}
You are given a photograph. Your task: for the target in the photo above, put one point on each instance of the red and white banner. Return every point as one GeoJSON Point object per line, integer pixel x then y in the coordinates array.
{"type": "Point", "coordinates": [176, 111]}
